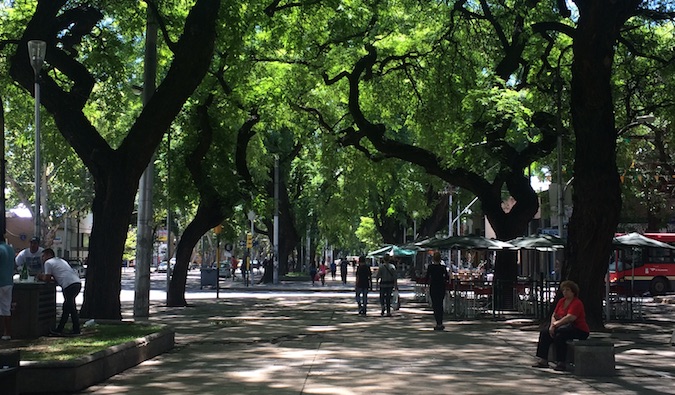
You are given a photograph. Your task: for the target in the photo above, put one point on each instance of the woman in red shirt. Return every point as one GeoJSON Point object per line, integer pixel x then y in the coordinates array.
{"type": "Point", "coordinates": [567, 322]}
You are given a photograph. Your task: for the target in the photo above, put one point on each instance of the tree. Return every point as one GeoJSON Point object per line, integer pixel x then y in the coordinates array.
{"type": "Point", "coordinates": [487, 150]}
{"type": "Point", "coordinates": [66, 87]}
{"type": "Point", "coordinates": [597, 193]}
{"type": "Point", "coordinates": [214, 206]}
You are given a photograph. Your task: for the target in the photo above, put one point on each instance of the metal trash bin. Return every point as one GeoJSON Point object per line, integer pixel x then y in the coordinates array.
{"type": "Point", "coordinates": [209, 277]}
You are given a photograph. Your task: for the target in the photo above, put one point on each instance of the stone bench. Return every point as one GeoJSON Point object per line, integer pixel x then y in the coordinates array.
{"type": "Point", "coordinates": [591, 357]}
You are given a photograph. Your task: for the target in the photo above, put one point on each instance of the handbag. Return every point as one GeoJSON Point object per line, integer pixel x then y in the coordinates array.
{"type": "Point", "coordinates": [395, 300]}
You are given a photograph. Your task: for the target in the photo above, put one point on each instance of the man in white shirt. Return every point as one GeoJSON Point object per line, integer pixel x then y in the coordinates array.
{"type": "Point", "coordinates": [66, 277]}
{"type": "Point", "coordinates": [31, 257]}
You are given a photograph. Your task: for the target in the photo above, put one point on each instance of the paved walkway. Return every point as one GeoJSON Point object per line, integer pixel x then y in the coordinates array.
{"type": "Point", "coordinates": [304, 342]}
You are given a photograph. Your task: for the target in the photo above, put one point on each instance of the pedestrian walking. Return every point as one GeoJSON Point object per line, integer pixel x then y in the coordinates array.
{"type": "Point", "coordinates": [333, 269]}
{"type": "Point", "coordinates": [364, 282]}
{"type": "Point", "coordinates": [322, 272]}
{"type": "Point", "coordinates": [437, 278]}
{"type": "Point", "coordinates": [386, 278]}
{"type": "Point", "coordinates": [313, 272]}
{"type": "Point", "coordinates": [344, 266]}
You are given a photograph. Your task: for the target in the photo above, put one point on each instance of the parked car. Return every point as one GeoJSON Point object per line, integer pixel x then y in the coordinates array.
{"type": "Point", "coordinates": [162, 267]}
{"type": "Point", "coordinates": [77, 265]}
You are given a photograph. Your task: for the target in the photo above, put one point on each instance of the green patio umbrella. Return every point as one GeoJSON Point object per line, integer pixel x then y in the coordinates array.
{"type": "Point", "coordinates": [392, 250]}
{"type": "Point", "coordinates": [638, 240]}
{"type": "Point", "coordinates": [465, 243]}
{"type": "Point", "coordinates": [539, 242]}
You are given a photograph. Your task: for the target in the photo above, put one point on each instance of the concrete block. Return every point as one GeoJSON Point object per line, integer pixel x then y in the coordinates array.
{"type": "Point", "coordinates": [10, 358]}
{"type": "Point", "coordinates": [592, 357]}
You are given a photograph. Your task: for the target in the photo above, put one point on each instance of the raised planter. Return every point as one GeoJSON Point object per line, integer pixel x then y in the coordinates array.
{"type": "Point", "coordinates": [77, 374]}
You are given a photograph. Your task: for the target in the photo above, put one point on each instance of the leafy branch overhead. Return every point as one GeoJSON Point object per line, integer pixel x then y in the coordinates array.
{"type": "Point", "coordinates": [511, 160]}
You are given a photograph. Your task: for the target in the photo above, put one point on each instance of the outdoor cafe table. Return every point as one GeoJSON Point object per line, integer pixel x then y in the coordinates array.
{"type": "Point", "coordinates": [468, 299]}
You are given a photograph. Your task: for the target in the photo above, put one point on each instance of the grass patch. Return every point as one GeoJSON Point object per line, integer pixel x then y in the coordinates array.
{"type": "Point", "coordinates": [296, 274]}
{"type": "Point", "coordinates": [93, 339]}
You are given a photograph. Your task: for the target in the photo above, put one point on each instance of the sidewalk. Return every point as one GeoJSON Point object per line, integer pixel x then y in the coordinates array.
{"type": "Point", "coordinates": [304, 342]}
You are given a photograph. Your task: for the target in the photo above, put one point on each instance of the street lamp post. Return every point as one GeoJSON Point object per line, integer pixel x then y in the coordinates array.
{"type": "Point", "coordinates": [36, 51]}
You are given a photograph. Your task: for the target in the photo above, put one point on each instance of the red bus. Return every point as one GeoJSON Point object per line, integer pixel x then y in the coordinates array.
{"type": "Point", "coordinates": [645, 269]}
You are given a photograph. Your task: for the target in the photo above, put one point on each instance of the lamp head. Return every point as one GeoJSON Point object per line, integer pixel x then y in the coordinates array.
{"type": "Point", "coordinates": [37, 50]}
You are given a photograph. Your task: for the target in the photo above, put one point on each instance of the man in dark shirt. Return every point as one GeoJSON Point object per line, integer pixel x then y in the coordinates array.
{"type": "Point", "coordinates": [437, 278]}
{"type": "Point", "coordinates": [364, 282]}
{"type": "Point", "coordinates": [344, 266]}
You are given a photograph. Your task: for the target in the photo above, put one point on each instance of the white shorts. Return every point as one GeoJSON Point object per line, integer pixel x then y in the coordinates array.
{"type": "Point", "coordinates": [6, 300]}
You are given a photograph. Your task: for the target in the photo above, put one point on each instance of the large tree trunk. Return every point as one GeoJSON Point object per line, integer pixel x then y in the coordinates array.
{"type": "Point", "coordinates": [112, 208]}
{"type": "Point", "coordinates": [508, 226]}
{"type": "Point", "coordinates": [208, 216]}
{"type": "Point", "coordinates": [288, 234]}
{"type": "Point", "coordinates": [438, 219]}
{"type": "Point", "coordinates": [597, 193]}
{"type": "Point", "coordinates": [289, 241]}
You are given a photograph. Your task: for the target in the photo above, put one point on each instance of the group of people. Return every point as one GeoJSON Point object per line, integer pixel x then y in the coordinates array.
{"type": "Point", "coordinates": [318, 274]}
{"type": "Point", "coordinates": [45, 266]}
{"type": "Point", "coordinates": [386, 279]}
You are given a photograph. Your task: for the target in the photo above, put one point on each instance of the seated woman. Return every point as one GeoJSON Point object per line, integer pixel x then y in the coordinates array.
{"type": "Point", "coordinates": [567, 322]}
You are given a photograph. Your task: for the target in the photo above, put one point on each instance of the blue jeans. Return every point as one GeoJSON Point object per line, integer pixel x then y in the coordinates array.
{"type": "Point", "coordinates": [364, 305]}
{"type": "Point", "coordinates": [385, 298]}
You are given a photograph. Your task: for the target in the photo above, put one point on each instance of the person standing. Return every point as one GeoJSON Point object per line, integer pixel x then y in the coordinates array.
{"type": "Point", "coordinates": [437, 278]}
{"type": "Point", "coordinates": [235, 262]}
{"type": "Point", "coordinates": [6, 284]}
{"type": "Point", "coordinates": [31, 257]}
{"type": "Point", "coordinates": [322, 272]}
{"type": "Point", "coordinates": [364, 282]}
{"type": "Point", "coordinates": [312, 272]}
{"type": "Point", "coordinates": [567, 322]}
{"type": "Point", "coordinates": [386, 277]}
{"type": "Point", "coordinates": [58, 270]}
{"type": "Point", "coordinates": [344, 266]}
{"type": "Point", "coordinates": [333, 269]}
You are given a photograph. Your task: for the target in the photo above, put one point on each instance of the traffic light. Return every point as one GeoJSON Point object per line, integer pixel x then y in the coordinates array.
{"type": "Point", "coordinates": [249, 240]}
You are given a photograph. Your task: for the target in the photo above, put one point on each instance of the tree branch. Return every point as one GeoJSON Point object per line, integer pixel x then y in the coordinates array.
{"type": "Point", "coordinates": [273, 8]}
{"type": "Point", "coordinates": [162, 25]}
